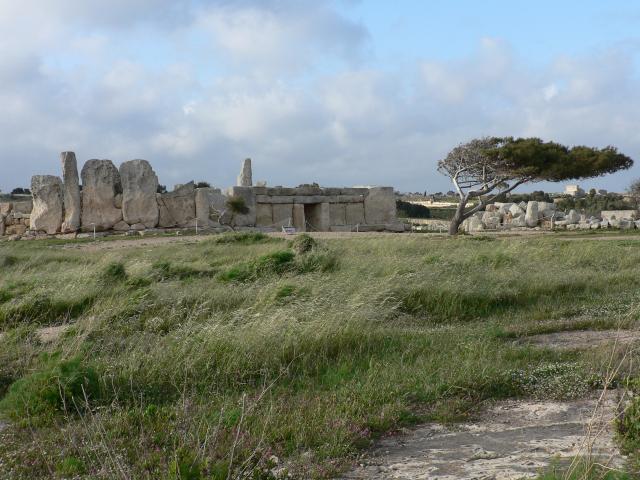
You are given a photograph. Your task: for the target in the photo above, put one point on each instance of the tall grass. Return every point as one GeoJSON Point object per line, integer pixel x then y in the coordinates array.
{"type": "Point", "coordinates": [206, 360]}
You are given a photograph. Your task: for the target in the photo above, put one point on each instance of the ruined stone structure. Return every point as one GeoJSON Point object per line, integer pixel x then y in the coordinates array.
{"type": "Point", "coordinates": [532, 214]}
{"type": "Point", "coordinates": [127, 199]}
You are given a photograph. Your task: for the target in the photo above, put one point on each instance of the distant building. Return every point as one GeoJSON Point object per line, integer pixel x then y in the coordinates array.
{"type": "Point", "coordinates": [602, 192]}
{"type": "Point", "coordinates": [574, 191]}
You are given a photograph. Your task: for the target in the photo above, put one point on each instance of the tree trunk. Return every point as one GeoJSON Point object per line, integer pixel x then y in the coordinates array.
{"type": "Point", "coordinates": [458, 218]}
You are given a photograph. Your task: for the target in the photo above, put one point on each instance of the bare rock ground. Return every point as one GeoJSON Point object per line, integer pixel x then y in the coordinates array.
{"type": "Point", "coordinates": [511, 440]}
{"type": "Point", "coordinates": [583, 339]}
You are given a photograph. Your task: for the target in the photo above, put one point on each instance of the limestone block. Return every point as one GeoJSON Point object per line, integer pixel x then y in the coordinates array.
{"type": "Point", "coordinates": [5, 208]}
{"type": "Point", "coordinates": [503, 208]}
{"type": "Point", "coordinates": [2, 223]}
{"type": "Point", "coordinates": [338, 214]}
{"type": "Point", "coordinates": [518, 221]}
{"type": "Point", "coordinates": [605, 224]}
{"type": "Point", "coordinates": [264, 214]}
{"type": "Point", "coordinates": [355, 213]}
{"type": "Point", "coordinates": [546, 209]}
{"type": "Point", "coordinates": [349, 198]}
{"type": "Point", "coordinates": [138, 227]}
{"type": "Point", "coordinates": [627, 224]}
{"type": "Point", "coordinates": [572, 217]}
{"type": "Point", "coordinates": [491, 220]}
{"type": "Point", "coordinates": [210, 204]}
{"type": "Point", "coordinates": [139, 187]}
{"type": "Point", "coordinates": [100, 185]}
{"type": "Point", "coordinates": [531, 215]}
{"type": "Point", "coordinates": [71, 192]}
{"type": "Point", "coordinates": [299, 220]}
{"type": "Point", "coordinates": [516, 211]}
{"type": "Point", "coordinates": [283, 214]}
{"type": "Point", "coordinates": [619, 214]}
{"type": "Point", "coordinates": [121, 226]}
{"type": "Point", "coordinates": [320, 216]}
{"type": "Point", "coordinates": [15, 229]}
{"type": "Point", "coordinates": [177, 208]}
{"type": "Point", "coordinates": [118, 200]}
{"type": "Point", "coordinates": [23, 206]}
{"type": "Point", "coordinates": [48, 206]}
{"type": "Point", "coordinates": [473, 224]}
{"type": "Point", "coordinates": [380, 206]}
{"type": "Point", "coordinates": [245, 179]}
{"type": "Point", "coordinates": [246, 193]}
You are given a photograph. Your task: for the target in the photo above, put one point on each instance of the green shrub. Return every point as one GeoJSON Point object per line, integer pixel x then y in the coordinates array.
{"type": "Point", "coordinates": [319, 261]}
{"type": "Point", "coordinates": [7, 261]}
{"type": "Point", "coordinates": [276, 263]}
{"type": "Point", "coordinates": [44, 309]}
{"type": "Point", "coordinates": [114, 272]}
{"type": "Point", "coordinates": [164, 270]}
{"type": "Point", "coordinates": [60, 385]}
{"type": "Point", "coordinates": [303, 243]}
{"type": "Point", "coordinates": [244, 238]}
{"type": "Point", "coordinates": [185, 466]}
{"type": "Point", "coordinates": [70, 467]}
{"type": "Point", "coordinates": [628, 427]}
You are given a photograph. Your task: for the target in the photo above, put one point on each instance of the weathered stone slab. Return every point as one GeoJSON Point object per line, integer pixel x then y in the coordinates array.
{"type": "Point", "coordinates": [379, 206]}
{"type": "Point", "coordinates": [100, 185]}
{"type": "Point", "coordinates": [246, 193]}
{"type": "Point", "coordinates": [23, 206]}
{"type": "Point", "coordinates": [177, 208]}
{"type": "Point", "coordinates": [264, 214]}
{"type": "Point", "coordinates": [139, 187]}
{"type": "Point", "coordinates": [121, 226]}
{"type": "Point", "coordinates": [619, 214]}
{"type": "Point", "coordinates": [2, 223]}
{"type": "Point", "coordinates": [572, 217]}
{"type": "Point", "coordinates": [355, 213]}
{"type": "Point", "coordinates": [338, 214]}
{"type": "Point", "coordinates": [299, 220]}
{"type": "Point", "coordinates": [531, 216]}
{"type": "Point", "coordinates": [245, 179]}
{"type": "Point", "coordinates": [348, 198]}
{"type": "Point", "coordinates": [318, 216]}
{"type": "Point", "coordinates": [5, 208]}
{"type": "Point", "coordinates": [283, 214]}
{"type": "Point", "coordinates": [71, 193]}
{"type": "Point", "coordinates": [210, 205]}
{"type": "Point", "coordinates": [47, 213]}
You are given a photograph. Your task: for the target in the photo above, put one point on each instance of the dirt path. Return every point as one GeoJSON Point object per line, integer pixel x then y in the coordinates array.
{"type": "Point", "coordinates": [582, 339]}
{"type": "Point", "coordinates": [511, 440]}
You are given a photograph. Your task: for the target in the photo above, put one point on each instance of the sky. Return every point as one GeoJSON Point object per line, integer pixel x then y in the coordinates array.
{"type": "Point", "coordinates": [339, 92]}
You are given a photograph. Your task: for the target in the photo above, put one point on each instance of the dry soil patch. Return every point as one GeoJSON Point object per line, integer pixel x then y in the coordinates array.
{"type": "Point", "coordinates": [583, 339]}
{"type": "Point", "coordinates": [511, 440]}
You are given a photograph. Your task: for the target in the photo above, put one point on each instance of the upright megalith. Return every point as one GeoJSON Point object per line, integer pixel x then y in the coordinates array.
{"type": "Point", "coordinates": [139, 188]}
{"type": "Point", "coordinates": [531, 215]}
{"type": "Point", "coordinates": [71, 192]}
{"type": "Point", "coordinates": [245, 179]}
{"type": "Point", "coordinates": [47, 212]}
{"type": "Point", "coordinates": [100, 185]}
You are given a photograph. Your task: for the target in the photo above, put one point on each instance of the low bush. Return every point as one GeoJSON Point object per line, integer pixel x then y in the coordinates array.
{"type": "Point", "coordinates": [244, 238]}
{"type": "Point", "coordinates": [114, 272]}
{"type": "Point", "coordinates": [164, 270]}
{"type": "Point", "coordinates": [60, 385]}
{"type": "Point", "coordinates": [628, 429]}
{"type": "Point", "coordinates": [303, 243]}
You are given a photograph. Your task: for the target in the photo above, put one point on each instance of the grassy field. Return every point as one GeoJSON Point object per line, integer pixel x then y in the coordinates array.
{"type": "Point", "coordinates": [248, 355]}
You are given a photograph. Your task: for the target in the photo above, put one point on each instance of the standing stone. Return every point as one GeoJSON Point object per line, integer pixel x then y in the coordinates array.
{"type": "Point", "coordinates": [516, 211]}
{"type": "Point", "coordinates": [299, 218]}
{"type": "Point", "coordinates": [139, 187]}
{"type": "Point", "coordinates": [531, 217]}
{"type": "Point", "coordinates": [71, 193]}
{"type": "Point", "coordinates": [2, 223]}
{"type": "Point", "coordinates": [100, 185]}
{"type": "Point", "coordinates": [47, 212]}
{"type": "Point", "coordinates": [380, 206]}
{"type": "Point", "coordinates": [245, 178]}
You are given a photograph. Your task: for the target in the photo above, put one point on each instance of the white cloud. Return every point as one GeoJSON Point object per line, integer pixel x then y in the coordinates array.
{"type": "Point", "coordinates": [287, 83]}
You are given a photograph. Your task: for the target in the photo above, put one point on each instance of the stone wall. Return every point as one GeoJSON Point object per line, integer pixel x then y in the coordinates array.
{"type": "Point", "coordinates": [127, 199]}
